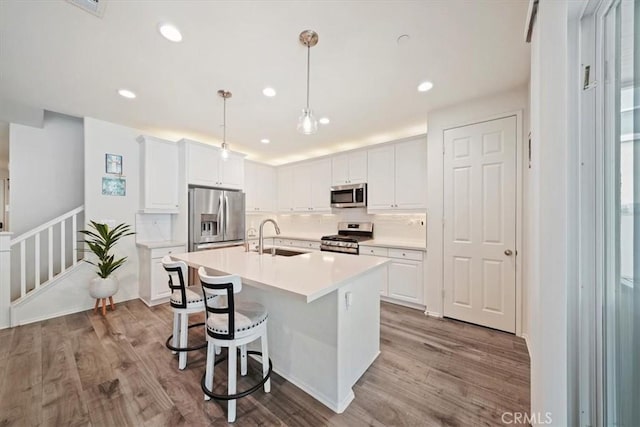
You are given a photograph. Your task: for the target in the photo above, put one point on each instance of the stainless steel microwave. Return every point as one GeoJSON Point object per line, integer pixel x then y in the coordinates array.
{"type": "Point", "coordinates": [349, 196]}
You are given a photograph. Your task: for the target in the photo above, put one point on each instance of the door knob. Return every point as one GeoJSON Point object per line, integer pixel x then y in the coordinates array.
{"type": "Point", "coordinates": [508, 252]}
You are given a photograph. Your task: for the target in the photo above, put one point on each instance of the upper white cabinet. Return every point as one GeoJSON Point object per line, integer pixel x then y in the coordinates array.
{"type": "Point", "coordinates": [206, 167]}
{"type": "Point", "coordinates": [158, 175]}
{"type": "Point", "coordinates": [285, 188]}
{"type": "Point", "coordinates": [312, 186]}
{"type": "Point", "coordinates": [350, 168]}
{"type": "Point", "coordinates": [260, 187]}
{"type": "Point", "coordinates": [397, 178]}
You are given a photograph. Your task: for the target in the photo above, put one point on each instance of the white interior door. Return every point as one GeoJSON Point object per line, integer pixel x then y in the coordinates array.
{"type": "Point", "coordinates": [480, 223]}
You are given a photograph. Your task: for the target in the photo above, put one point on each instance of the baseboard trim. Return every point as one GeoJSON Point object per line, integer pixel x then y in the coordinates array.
{"type": "Point", "coordinates": [433, 314]}
{"type": "Point", "coordinates": [76, 309]}
{"type": "Point", "coordinates": [526, 341]}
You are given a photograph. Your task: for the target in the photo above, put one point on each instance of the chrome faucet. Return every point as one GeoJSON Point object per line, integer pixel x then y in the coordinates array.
{"type": "Point", "coordinates": [261, 233]}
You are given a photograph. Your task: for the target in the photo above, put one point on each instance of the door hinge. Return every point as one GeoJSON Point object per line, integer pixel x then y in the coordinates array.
{"type": "Point", "coordinates": [587, 83]}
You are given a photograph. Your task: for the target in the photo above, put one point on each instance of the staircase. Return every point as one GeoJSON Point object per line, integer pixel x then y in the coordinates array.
{"type": "Point", "coordinates": [33, 263]}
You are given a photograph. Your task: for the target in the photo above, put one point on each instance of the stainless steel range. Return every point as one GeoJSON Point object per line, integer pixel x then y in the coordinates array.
{"type": "Point", "coordinates": [349, 236]}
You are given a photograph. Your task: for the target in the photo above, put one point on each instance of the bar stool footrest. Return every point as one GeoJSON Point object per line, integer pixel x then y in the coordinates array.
{"type": "Point", "coordinates": [241, 393]}
{"type": "Point", "coordinates": [180, 349]}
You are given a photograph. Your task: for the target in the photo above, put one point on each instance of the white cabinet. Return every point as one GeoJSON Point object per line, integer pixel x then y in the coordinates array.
{"type": "Point", "coordinates": [311, 245]}
{"type": "Point", "coordinates": [381, 193]}
{"type": "Point", "coordinates": [397, 178]}
{"type": "Point", "coordinates": [405, 276]}
{"type": "Point", "coordinates": [285, 189]}
{"type": "Point", "coordinates": [153, 285]}
{"type": "Point", "coordinates": [158, 175]}
{"type": "Point", "coordinates": [206, 167]}
{"type": "Point", "coordinates": [311, 188]}
{"type": "Point", "coordinates": [260, 187]}
{"type": "Point", "coordinates": [350, 168]}
{"type": "Point", "coordinates": [405, 281]}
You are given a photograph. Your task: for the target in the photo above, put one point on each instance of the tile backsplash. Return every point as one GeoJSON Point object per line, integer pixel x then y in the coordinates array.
{"type": "Point", "coordinates": [386, 226]}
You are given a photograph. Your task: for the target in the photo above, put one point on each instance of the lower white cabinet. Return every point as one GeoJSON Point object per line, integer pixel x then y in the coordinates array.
{"type": "Point", "coordinates": [153, 286]}
{"type": "Point", "coordinates": [405, 281]}
{"type": "Point", "coordinates": [295, 243]}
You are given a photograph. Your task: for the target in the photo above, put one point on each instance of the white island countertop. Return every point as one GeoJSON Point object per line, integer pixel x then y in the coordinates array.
{"type": "Point", "coordinates": [311, 275]}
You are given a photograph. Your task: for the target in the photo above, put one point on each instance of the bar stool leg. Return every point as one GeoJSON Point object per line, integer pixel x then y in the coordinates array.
{"type": "Point", "coordinates": [231, 405]}
{"type": "Point", "coordinates": [243, 360]}
{"type": "Point", "coordinates": [210, 367]}
{"type": "Point", "coordinates": [265, 361]}
{"type": "Point", "coordinates": [184, 336]}
{"type": "Point", "coordinates": [176, 331]}
{"type": "Point", "coordinates": [218, 349]}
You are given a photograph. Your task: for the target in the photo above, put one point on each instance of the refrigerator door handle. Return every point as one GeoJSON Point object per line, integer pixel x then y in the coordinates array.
{"type": "Point", "coordinates": [226, 214]}
{"type": "Point", "coordinates": [221, 217]}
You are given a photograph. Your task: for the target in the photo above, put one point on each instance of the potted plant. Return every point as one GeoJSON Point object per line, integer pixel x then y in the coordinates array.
{"type": "Point", "coordinates": [101, 240]}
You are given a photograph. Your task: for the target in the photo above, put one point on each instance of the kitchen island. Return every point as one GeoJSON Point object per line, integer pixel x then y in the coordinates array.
{"type": "Point", "coordinates": [324, 313]}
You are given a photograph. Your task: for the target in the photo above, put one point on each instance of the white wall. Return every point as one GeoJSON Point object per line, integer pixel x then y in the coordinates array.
{"type": "Point", "coordinates": [46, 173]}
{"type": "Point", "coordinates": [101, 138]}
{"type": "Point", "coordinates": [438, 121]}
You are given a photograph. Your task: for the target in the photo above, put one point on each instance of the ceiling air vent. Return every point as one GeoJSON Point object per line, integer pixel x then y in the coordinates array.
{"type": "Point", "coordinates": [94, 7]}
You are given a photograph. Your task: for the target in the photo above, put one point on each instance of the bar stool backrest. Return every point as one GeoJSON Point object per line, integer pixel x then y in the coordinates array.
{"type": "Point", "coordinates": [177, 271]}
{"type": "Point", "coordinates": [220, 286]}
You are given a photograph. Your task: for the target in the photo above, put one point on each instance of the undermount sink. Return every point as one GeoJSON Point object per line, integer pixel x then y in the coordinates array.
{"type": "Point", "coordinates": [284, 252]}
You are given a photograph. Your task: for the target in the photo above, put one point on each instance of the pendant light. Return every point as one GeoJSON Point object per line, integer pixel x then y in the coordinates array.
{"type": "Point", "coordinates": [225, 147]}
{"type": "Point", "coordinates": [307, 124]}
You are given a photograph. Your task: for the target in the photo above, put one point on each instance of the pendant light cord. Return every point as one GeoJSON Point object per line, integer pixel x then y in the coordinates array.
{"type": "Point", "coordinates": [308, 72]}
{"type": "Point", "coordinates": [224, 121]}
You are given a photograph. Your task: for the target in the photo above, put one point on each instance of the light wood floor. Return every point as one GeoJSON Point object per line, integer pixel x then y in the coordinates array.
{"type": "Point", "coordinates": [84, 369]}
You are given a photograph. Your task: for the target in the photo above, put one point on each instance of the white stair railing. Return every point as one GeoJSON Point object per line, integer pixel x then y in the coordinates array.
{"type": "Point", "coordinates": [64, 251]}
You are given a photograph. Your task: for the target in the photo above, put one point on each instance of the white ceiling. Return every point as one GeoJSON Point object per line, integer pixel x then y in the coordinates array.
{"type": "Point", "coordinates": [58, 57]}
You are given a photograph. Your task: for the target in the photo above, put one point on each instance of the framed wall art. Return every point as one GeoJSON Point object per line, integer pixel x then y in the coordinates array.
{"type": "Point", "coordinates": [113, 164]}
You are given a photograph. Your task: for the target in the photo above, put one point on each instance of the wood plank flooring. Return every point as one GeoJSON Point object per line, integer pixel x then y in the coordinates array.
{"type": "Point", "coordinates": [88, 370]}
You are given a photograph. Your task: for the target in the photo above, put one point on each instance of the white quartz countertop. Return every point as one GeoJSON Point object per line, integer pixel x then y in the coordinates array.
{"type": "Point", "coordinates": [161, 244]}
{"type": "Point", "coordinates": [311, 275]}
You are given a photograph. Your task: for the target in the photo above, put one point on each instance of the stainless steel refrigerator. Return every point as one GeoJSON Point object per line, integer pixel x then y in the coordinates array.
{"type": "Point", "coordinates": [216, 218]}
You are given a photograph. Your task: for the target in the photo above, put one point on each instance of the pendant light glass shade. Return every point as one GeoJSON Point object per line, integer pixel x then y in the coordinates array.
{"type": "Point", "coordinates": [225, 151]}
{"type": "Point", "coordinates": [307, 123]}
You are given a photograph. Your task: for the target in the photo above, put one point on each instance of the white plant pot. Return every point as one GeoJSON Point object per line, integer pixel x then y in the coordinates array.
{"type": "Point", "coordinates": [103, 288]}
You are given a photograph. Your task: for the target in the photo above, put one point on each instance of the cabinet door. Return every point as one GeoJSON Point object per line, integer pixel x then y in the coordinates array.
{"type": "Point", "coordinates": [159, 280]}
{"type": "Point", "coordinates": [405, 281]}
{"type": "Point", "coordinates": [358, 167]}
{"type": "Point", "coordinates": [260, 187]}
{"type": "Point", "coordinates": [340, 169]}
{"type": "Point", "coordinates": [285, 189]}
{"type": "Point", "coordinates": [410, 174]}
{"type": "Point", "coordinates": [232, 172]}
{"type": "Point", "coordinates": [302, 176]}
{"type": "Point", "coordinates": [381, 178]}
{"type": "Point", "coordinates": [160, 176]}
{"type": "Point", "coordinates": [251, 180]}
{"type": "Point", "coordinates": [203, 165]}
{"type": "Point", "coordinates": [321, 185]}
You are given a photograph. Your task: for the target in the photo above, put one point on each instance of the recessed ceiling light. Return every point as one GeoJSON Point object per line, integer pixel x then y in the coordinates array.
{"type": "Point", "coordinates": [126, 93]}
{"type": "Point", "coordinates": [265, 141]}
{"type": "Point", "coordinates": [170, 32]}
{"type": "Point", "coordinates": [269, 91]}
{"type": "Point", "coordinates": [425, 86]}
{"type": "Point", "coordinates": [324, 120]}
